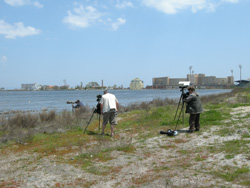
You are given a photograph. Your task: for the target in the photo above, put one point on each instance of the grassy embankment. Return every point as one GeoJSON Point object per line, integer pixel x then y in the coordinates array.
{"type": "Point", "coordinates": [137, 124]}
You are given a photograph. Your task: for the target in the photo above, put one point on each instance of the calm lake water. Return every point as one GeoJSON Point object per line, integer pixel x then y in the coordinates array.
{"type": "Point", "coordinates": [56, 100]}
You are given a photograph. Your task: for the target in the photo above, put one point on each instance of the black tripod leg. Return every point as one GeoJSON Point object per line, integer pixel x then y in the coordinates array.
{"type": "Point", "coordinates": [178, 107]}
{"type": "Point", "coordinates": [88, 123]}
{"type": "Point", "coordinates": [182, 111]}
{"type": "Point", "coordinates": [99, 122]}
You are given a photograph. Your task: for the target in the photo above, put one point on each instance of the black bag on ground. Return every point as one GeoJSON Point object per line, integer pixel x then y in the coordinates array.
{"type": "Point", "coordinates": [169, 132]}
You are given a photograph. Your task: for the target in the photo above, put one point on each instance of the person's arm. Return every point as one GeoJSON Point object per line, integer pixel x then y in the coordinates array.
{"type": "Point", "coordinates": [101, 105]}
{"type": "Point", "coordinates": [190, 97]}
{"type": "Point", "coordinates": [117, 106]}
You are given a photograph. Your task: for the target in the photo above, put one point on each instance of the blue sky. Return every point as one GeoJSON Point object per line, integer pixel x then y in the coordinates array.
{"type": "Point", "coordinates": [50, 42]}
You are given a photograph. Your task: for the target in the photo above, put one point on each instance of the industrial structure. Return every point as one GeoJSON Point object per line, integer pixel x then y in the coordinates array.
{"type": "Point", "coordinates": [198, 80]}
{"type": "Point", "coordinates": [136, 84]}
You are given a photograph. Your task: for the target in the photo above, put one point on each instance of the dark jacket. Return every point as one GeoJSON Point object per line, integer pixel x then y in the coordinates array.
{"type": "Point", "coordinates": [193, 104]}
{"type": "Point", "coordinates": [78, 105]}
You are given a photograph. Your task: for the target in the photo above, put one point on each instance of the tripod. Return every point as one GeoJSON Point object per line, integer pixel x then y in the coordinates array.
{"type": "Point", "coordinates": [181, 102]}
{"type": "Point", "coordinates": [98, 112]}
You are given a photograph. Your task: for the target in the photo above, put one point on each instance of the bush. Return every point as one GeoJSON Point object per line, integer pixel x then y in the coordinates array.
{"type": "Point", "coordinates": [47, 116]}
{"type": "Point", "coordinates": [22, 120]}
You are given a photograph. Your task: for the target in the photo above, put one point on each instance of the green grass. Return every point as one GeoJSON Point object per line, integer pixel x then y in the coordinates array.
{"type": "Point", "coordinates": [232, 147]}
{"type": "Point", "coordinates": [230, 174]}
{"type": "Point", "coordinates": [224, 131]}
{"type": "Point", "coordinates": [214, 117]}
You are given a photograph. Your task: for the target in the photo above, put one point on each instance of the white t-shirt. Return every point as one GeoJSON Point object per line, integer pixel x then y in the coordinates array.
{"type": "Point", "coordinates": [109, 102]}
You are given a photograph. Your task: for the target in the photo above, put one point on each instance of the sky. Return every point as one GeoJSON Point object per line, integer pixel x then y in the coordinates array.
{"type": "Point", "coordinates": [57, 42]}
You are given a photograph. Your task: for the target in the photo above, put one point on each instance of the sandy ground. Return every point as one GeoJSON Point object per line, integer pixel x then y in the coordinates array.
{"type": "Point", "coordinates": [160, 161]}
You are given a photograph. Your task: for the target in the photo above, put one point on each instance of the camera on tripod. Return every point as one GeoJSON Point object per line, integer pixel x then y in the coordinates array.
{"type": "Point", "coordinates": [97, 111]}
{"type": "Point", "coordinates": [98, 98]}
{"type": "Point", "coordinates": [184, 85]}
{"type": "Point", "coordinates": [98, 106]}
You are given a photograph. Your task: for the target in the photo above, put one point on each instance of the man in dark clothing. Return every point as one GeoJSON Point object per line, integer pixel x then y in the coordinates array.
{"type": "Point", "coordinates": [193, 108]}
{"type": "Point", "coordinates": [78, 104]}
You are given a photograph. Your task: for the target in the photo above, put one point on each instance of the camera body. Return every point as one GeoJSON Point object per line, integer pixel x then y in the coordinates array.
{"type": "Point", "coordinates": [98, 106]}
{"type": "Point", "coordinates": [98, 98]}
{"type": "Point", "coordinates": [184, 85]}
{"type": "Point", "coordinates": [185, 95]}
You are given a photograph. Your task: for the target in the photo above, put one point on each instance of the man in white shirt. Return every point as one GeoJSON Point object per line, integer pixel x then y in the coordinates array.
{"type": "Point", "coordinates": [109, 109]}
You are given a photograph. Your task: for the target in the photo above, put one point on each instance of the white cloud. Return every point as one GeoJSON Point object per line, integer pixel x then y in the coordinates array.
{"type": "Point", "coordinates": [231, 1]}
{"type": "Point", "coordinates": [83, 17]}
{"type": "Point", "coordinates": [118, 23]}
{"type": "Point", "coordinates": [17, 3]}
{"type": "Point", "coordinates": [16, 30]}
{"type": "Point", "coordinates": [173, 6]}
{"type": "Point", "coordinates": [124, 4]}
{"type": "Point", "coordinates": [37, 4]}
{"type": "Point", "coordinates": [4, 60]}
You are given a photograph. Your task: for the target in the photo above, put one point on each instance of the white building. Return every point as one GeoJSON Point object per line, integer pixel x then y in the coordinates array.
{"type": "Point", "coordinates": [136, 84]}
{"type": "Point", "coordinates": [34, 86]}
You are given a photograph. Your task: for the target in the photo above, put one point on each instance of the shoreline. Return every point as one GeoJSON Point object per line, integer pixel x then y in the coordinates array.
{"type": "Point", "coordinates": [50, 108]}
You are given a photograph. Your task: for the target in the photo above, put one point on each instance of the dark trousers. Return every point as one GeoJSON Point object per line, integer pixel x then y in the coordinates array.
{"type": "Point", "coordinates": [194, 122]}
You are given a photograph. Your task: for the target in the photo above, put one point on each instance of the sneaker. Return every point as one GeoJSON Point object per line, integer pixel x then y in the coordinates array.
{"type": "Point", "coordinates": [197, 130]}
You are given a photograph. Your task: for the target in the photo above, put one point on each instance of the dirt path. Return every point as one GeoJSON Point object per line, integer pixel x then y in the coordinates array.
{"type": "Point", "coordinates": [161, 161]}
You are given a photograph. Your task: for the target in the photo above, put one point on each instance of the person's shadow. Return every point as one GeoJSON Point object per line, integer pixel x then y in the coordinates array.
{"type": "Point", "coordinates": [91, 133]}
{"type": "Point", "coordinates": [182, 131]}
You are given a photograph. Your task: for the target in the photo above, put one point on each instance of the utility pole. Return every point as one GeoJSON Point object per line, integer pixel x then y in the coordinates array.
{"type": "Point", "coordinates": [190, 68]}
{"type": "Point", "coordinates": [193, 78]}
{"type": "Point", "coordinates": [240, 72]}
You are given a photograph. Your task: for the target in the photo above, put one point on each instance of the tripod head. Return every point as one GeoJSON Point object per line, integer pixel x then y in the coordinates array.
{"type": "Point", "coordinates": [98, 106]}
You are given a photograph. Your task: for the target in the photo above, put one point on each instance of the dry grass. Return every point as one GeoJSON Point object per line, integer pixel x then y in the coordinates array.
{"type": "Point", "coordinates": [148, 105]}
{"type": "Point", "coordinates": [23, 126]}
{"type": "Point", "coordinates": [47, 116]}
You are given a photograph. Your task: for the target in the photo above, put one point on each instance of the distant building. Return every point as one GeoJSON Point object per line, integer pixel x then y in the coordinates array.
{"type": "Point", "coordinates": [160, 83]}
{"type": "Point", "coordinates": [166, 82]}
{"type": "Point", "coordinates": [136, 84]}
{"type": "Point", "coordinates": [202, 80]}
{"type": "Point", "coordinates": [195, 80]}
{"type": "Point", "coordinates": [93, 85]}
{"type": "Point", "coordinates": [243, 83]}
{"type": "Point", "coordinates": [34, 86]}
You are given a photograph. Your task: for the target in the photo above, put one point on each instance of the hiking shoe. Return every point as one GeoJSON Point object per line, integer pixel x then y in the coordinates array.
{"type": "Point", "coordinates": [190, 131]}
{"type": "Point", "coordinates": [197, 130]}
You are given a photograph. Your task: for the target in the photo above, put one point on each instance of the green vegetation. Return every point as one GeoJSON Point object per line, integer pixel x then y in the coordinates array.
{"type": "Point", "coordinates": [230, 174]}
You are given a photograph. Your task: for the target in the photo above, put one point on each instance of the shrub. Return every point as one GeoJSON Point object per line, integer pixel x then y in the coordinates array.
{"type": "Point", "coordinates": [22, 120]}
{"type": "Point", "coordinates": [47, 116]}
